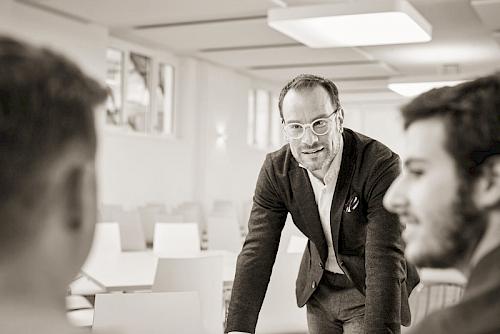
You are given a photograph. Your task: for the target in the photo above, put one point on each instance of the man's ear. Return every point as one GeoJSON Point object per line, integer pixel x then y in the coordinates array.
{"type": "Point", "coordinates": [340, 120]}
{"type": "Point", "coordinates": [487, 188]}
{"type": "Point", "coordinates": [74, 185]}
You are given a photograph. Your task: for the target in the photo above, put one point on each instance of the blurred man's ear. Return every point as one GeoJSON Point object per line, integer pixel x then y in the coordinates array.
{"type": "Point", "coordinates": [78, 189]}
{"type": "Point", "coordinates": [74, 189]}
{"type": "Point", "coordinates": [487, 188]}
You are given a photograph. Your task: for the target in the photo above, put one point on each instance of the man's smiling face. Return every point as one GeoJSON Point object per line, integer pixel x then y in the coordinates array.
{"type": "Point", "coordinates": [305, 106]}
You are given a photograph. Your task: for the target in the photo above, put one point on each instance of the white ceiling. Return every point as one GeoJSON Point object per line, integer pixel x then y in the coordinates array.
{"type": "Point", "coordinates": [234, 33]}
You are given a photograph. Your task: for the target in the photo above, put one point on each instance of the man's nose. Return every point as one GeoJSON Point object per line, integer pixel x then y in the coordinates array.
{"type": "Point", "coordinates": [395, 199]}
{"type": "Point", "coordinates": [309, 137]}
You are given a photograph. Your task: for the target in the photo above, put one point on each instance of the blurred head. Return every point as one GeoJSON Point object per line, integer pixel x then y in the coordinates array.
{"type": "Point", "coordinates": [313, 120]}
{"type": "Point", "coordinates": [450, 183]}
{"type": "Point", "coordinates": [47, 144]}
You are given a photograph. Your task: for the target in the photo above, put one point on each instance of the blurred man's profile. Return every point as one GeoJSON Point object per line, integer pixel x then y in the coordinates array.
{"type": "Point", "coordinates": [448, 196]}
{"type": "Point", "coordinates": [47, 182]}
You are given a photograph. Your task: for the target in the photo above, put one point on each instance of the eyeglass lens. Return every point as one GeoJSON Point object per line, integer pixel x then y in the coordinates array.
{"type": "Point", "coordinates": [318, 127]}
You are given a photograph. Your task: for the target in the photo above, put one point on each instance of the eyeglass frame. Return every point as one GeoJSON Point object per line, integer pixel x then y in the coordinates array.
{"type": "Point", "coordinates": [309, 125]}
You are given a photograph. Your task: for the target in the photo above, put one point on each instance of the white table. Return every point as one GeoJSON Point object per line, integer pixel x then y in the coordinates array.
{"type": "Point", "coordinates": [125, 271]}
{"type": "Point", "coordinates": [135, 271]}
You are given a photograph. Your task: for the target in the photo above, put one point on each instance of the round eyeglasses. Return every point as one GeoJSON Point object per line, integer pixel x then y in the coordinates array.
{"type": "Point", "coordinates": [319, 127]}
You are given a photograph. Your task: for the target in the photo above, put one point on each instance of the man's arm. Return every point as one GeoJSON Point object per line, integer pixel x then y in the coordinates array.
{"type": "Point", "coordinates": [384, 253]}
{"type": "Point", "coordinates": [255, 262]}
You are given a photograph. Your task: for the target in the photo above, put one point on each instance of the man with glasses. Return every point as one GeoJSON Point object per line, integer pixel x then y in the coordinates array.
{"type": "Point", "coordinates": [353, 276]}
{"type": "Point", "coordinates": [449, 197]}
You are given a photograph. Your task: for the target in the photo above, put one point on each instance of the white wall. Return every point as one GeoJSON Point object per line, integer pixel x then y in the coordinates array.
{"type": "Point", "coordinates": [135, 169]}
{"type": "Point", "coordinates": [84, 43]}
{"type": "Point", "coordinates": [229, 171]}
{"type": "Point", "coordinates": [380, 120]}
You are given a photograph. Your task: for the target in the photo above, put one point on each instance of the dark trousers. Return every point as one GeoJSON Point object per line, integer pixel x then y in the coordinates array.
{"type": "Point", "coordinates": [336, 307]}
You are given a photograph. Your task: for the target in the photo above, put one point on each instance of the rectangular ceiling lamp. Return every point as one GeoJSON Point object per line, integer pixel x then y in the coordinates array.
{"type": "Point", "coordinates": [411, 89]}
{"type": "Point", "coordinates": [352, 23]}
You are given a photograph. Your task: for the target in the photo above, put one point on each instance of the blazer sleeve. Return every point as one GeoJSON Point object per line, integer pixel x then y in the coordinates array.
{"type": "Point", "coordinates": [255, 262]}
{"type": "Point", "coordinates": [384, 252]}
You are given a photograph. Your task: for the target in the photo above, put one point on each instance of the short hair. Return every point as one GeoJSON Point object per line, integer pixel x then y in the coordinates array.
{"type": "Point", "coordinates": [471, 115]}
{"type": "Point", "coordinates": [309, 81]}
{"type": "Point", "coordinates": [46, 105]}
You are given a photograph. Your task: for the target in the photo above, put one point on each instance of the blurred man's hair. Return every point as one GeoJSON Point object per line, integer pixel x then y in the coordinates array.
{"type": "Point", "coordinates": [46, 107]}
{"type": "Point", "coordinates": [471, 115]}
{"type": "Point", "coordinates": [309, 81]}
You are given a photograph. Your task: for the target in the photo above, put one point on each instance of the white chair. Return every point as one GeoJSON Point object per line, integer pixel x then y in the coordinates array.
{"type": "Point", "coordinates": [131, 231]}
{"type": "Point", "coordinates": [160, 207]}
{"type": "Point", "coordinates": [80, 311]}
{"type": "Point", "coordinates": [191, 211]}
{"type": "Point", "coordinates": [77, 303]}
{"type": "Point", "coordinates": [225, 208]}
{"type": "Point", "coordinates": [438, 288]}
{"type": "Point", "coordinates": [108, 212]}
{"type": "Point", "coordinates": [81, 318]}
{"type": "Point", "coordinates": [147, 313]}
{"type": "Point", "coordinates": [176, 240]}
{"type": "Point", "coordinates": [280, 313]}
{"type": "Point", "coordinates": [202, 274]}
{"type": "Point", "coordinates": [223, 233]}
{"type": "Point", "coordinates": [149, 215]}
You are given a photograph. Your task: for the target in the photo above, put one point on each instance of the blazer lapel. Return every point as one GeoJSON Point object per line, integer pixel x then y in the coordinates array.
{"type": "Point", "coordinates": [344, 178]}
{"type": "Point", "coordinates": [304, 197]}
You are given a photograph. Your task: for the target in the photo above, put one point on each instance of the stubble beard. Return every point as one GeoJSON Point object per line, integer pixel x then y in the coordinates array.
{"type": "Point", "coordinates": [463, 231]}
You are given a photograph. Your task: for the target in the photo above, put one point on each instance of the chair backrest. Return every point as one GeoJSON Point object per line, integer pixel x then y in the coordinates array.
{"type": "Point", "coordinates": [131, 231]}
{"type": "Point", "coordinates": [150, 215]}
{"type": "Point", "coordinates": [176, 239]}
{"type": "Point", "coordinates": [160, 207]}
{"type": "Point", "coordinates": [438, 288]}
{"type": "Point", "coordinates": [202, 274]}
{"type": "Point", "coordinates": [147, 313]}
{"type": "Point", "coordinates": [191, 211]}
{"type": "Point", "coordinates": [280, 313]}
{"type": "Point", "coordinates": [225, 208]}
{"type": "Point", "coordinates": [108, 212]}
{"type": "Point", "coordinates": [223, 233]}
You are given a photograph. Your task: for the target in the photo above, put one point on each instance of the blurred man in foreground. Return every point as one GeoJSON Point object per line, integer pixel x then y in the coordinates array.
{"type": "Point", "coordinates": [47, 182]}
{"type": "Point", "coordinates": [448, 196]}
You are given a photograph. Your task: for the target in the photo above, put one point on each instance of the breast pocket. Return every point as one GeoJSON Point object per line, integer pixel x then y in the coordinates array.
{"type": "Point", "coordinates": [352, 234]}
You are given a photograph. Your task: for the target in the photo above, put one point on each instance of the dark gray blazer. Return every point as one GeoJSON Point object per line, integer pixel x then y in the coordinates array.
{"type": "Point", "coordinates": [367, 240]}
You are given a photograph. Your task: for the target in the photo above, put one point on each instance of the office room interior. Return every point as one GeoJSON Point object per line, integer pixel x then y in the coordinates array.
{"type": "Point", "coordinates": [191, 114]}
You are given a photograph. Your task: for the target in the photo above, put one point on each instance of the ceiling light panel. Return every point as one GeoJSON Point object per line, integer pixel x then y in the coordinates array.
{"type": "Point", "coordinates": [353, 23]}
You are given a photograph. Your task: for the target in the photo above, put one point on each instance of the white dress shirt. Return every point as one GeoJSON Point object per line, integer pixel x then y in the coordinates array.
{"type": "Point", "coordinates": [323, 193]}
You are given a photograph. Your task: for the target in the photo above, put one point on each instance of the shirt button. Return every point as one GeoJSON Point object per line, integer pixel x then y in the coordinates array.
{"type": "Point", "coordinates": [313, 285]}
